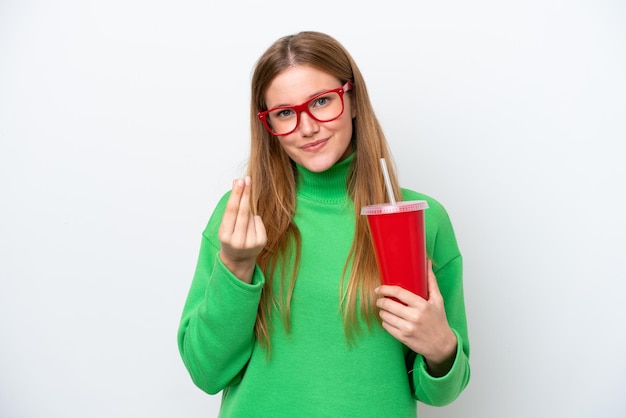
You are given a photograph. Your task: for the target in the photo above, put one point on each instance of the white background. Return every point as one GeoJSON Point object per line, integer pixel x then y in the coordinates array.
{"type": "Point", "coordinates": [123, 121]}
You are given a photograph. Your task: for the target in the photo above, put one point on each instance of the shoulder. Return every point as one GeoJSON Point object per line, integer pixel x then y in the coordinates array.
{"type": "Point", "coordinates": [435, 211]}
{"type": "Point", "coordinates": [441, 241]}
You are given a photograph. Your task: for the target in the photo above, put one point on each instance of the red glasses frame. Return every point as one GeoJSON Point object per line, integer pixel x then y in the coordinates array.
{"type": "Point", "coordinates": [304, 107]}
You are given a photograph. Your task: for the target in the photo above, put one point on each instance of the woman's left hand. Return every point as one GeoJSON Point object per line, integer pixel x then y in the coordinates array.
{"type": "Point", "coordinates": [420, 324]}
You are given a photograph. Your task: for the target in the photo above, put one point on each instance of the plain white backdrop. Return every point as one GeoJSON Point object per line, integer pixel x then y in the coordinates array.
{"type": "Point", "coordinates": [123, 122]}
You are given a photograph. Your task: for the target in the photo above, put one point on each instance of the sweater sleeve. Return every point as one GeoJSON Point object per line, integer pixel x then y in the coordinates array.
{"type": "Point", "coordinates": [448, 268]}
{"type": "Point", "coordinates": [216, 332]}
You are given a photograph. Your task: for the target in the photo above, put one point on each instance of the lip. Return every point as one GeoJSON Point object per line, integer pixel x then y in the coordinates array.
{"type": "Point", "coordinates": [315, 145]}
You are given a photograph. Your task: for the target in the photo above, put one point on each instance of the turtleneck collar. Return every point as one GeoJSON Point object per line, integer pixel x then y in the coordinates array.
{"type": "Point", "coordinates": [328, 186]}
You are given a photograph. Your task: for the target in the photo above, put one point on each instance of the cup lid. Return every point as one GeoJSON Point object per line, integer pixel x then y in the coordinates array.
{"type": "Point", "coordinates": [399, 207]}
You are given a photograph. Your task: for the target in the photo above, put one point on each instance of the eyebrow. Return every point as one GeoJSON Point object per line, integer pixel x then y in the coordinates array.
{"type": "Point", "coordinates": [309, 98]}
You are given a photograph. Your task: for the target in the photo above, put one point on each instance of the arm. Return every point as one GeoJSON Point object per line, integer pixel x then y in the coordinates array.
{"type": "Point", "coordinates": [445, 388]}
{"type": "Point", "coordinates": [216, 333]}
{"type": "Point", "coordinates": [435, 330]}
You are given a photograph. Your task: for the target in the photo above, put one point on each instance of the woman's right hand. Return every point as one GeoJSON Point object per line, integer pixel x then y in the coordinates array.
{"type": "Point", "coordinates": [241, 233]}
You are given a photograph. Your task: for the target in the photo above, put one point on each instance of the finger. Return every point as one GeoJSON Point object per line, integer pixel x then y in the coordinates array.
{"type": "Point", "coordinates": [255, 233]}
{"type": "Point", "coordinates": [403, 322]}
{"type": "Point", "coordinates": [391, 291]}
{"type": "Point", "coordinates": [396, 299]}
{"type": "Point", "coordinates": [405, 296]}
{"type": "Point", "coordinates": [229, 218]}
{"type": "Point", "coordinates": [242, 225]}
{"type": "Point", "coordinates": [392, 321]}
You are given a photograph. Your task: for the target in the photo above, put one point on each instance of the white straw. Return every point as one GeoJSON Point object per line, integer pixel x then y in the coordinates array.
{"type": "Point", "coordinates": [392, 198]}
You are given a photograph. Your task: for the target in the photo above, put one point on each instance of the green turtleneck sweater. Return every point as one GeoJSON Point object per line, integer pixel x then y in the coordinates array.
{"type": "Point", "coordinates": [312, 371]}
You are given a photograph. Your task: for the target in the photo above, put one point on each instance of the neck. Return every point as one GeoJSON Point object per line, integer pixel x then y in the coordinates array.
{"type": "Point", "coordinates": [328, 186]}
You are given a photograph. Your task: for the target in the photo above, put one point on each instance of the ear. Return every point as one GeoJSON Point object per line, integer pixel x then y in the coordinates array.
{"type": "Point", "coordinates": [352, 103]}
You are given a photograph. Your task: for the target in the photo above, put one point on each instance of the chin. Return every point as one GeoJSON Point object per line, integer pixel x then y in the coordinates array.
{"type": "Point", "coordinates": [315, 168]}
{"type": "Point", "coordinates": [319, 166]}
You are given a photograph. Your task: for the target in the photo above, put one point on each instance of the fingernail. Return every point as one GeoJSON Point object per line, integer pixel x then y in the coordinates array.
{"type": "Point", "coordinates": [376, 289]}
{"type": "Point", "coordinates": [240, 182]}
{"type": "Point", "coordinates": [248, 180]}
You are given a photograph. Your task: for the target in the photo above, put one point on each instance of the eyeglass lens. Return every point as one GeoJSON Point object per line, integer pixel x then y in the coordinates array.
{"type": "Point", "coordinates": [323, 108]}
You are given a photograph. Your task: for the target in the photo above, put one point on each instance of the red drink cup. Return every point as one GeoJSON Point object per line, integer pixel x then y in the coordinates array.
{"type": "Point", "coordinates": [399, 239]}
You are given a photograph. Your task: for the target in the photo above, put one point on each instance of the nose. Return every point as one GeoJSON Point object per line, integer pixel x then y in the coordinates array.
{"type": "Point", "coordinates": [308, 125]}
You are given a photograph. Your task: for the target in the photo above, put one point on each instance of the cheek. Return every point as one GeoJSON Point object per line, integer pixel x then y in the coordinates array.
{"type": "Point", "coordinates": [344, 123]}
{"type": "Point", "coordinates": [287, 143]}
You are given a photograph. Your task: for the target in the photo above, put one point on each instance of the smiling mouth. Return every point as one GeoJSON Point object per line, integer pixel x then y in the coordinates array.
{"type": "Point", "coordinates": [314, 145]}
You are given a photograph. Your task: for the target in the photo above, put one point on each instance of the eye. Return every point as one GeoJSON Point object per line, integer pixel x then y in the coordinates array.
{"type": "Point", "coordinates": [321, 101]}
{"type": "Point", "coordinates": [282, 113]}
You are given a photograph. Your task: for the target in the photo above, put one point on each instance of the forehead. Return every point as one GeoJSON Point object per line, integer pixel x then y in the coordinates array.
{"type": "Point", "coordinates": [296, 84]}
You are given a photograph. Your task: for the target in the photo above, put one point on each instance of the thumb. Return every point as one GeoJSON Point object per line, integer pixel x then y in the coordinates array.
{"type": "Point", "coordinates": [259, 227]}
{"type": "Point", "coordinates": [433, 287]}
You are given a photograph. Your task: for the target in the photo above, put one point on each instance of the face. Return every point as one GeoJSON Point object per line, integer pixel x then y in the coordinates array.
{"type": "Point", "coordinates": [317, 146]}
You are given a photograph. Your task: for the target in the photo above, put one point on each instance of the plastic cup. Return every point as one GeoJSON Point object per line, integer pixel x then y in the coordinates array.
{"type": "Point", "coordinates": [399, 239]}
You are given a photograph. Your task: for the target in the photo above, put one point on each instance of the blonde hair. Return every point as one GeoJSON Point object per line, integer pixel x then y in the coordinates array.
{"type": "Point", "coordinates": [274, 174]}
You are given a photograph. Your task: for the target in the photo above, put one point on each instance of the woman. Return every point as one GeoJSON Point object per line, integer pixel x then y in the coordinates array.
{"type": "Point", "coordinates": [286, 315]}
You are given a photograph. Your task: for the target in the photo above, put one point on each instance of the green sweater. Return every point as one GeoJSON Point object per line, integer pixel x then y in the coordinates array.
{"type": "Point", "coordinates": [312, 371]}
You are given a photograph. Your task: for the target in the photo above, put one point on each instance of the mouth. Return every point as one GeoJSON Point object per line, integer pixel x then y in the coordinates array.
{"type": "Point", "coordinates": [314, 146]}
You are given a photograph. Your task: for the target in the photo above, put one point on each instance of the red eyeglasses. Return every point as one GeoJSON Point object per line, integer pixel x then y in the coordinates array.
{"type": "Point", "coordinates": [324, 107]}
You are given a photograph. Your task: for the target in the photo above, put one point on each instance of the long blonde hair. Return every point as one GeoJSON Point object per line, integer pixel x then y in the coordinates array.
{"type": "Point", "coordinates": [274, 193]}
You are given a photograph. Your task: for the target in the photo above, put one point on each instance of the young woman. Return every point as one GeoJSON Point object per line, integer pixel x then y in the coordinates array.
{"type": "Point", "coordinates": [286, 315]}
